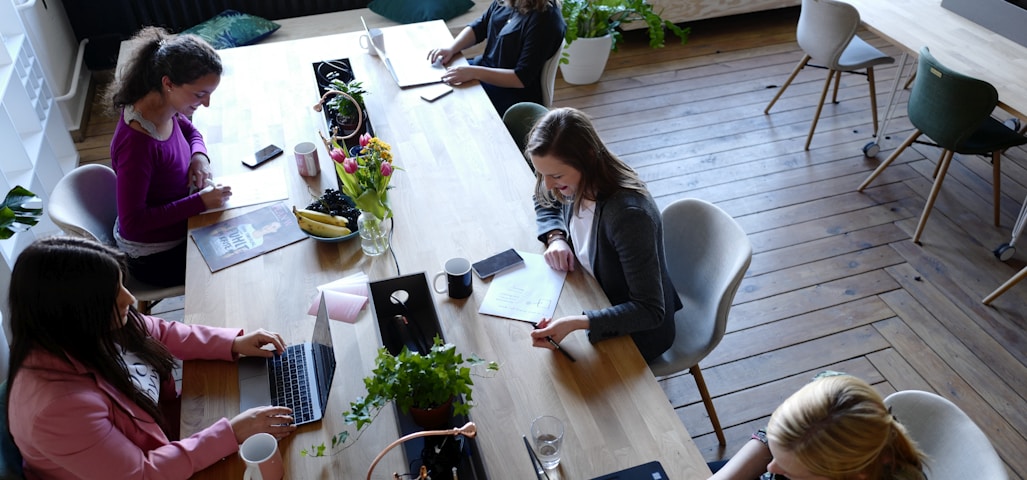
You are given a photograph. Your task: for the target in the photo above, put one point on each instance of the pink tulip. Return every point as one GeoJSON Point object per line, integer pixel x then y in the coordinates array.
{"type": "Point", "coordinates": [349, 165]}
{"type": "Point", "coordinates": [338, 154]}
{"type": "Point", "coordinates": [365, 139]}
{"type": "Point", "coordinates": [386, 169]}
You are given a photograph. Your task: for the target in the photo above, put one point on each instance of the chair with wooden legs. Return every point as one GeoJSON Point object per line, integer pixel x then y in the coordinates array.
{"type": "Point", "coordinates": [83, 204]}
{"type": "Point", "coordinates": [827, 34]}
{"type": "Point", "coordinates": [707, 256]}
{"type": "Point", "coordinates": [954, 110]}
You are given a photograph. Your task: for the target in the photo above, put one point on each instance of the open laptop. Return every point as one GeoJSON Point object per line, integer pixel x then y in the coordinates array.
{"type": "Point", "coordinates": [299, 378]}
{"type": "Point", "coordinates": [405, 53]}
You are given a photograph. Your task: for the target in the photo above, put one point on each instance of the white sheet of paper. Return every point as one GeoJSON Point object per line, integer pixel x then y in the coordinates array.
{"type": "Point", "coordinates": [251, 188]}
{"type": "Point", "coordinates": [355, 284]}
{"type": "Point", "coordinates": [528, 293]}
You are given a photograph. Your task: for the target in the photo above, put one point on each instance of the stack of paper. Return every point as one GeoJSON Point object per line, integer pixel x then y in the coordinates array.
{"type": "Point", "coordinates": [344, 297]}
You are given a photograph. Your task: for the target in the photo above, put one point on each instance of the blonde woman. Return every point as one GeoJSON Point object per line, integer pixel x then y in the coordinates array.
{"type": "Point", "coordinates": [834, 428]}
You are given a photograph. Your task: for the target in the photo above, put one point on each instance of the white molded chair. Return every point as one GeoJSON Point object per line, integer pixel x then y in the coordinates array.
{"type": "Point", "coordinates": [84, 204]}
{"type": "Point", "coordinates": [549, 77]}
{"type": "Point", "coordinates": [827, 33]}
{"type": "Point", "coordinates": [707, 256]}
{"type": "Point", "coordinates": [956, 447]}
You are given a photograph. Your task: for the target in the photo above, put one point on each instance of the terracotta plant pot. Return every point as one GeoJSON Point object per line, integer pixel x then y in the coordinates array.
{"type": "Point", "coordinates": [433, 418]}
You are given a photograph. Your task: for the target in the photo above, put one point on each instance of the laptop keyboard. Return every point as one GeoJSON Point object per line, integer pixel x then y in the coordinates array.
{"type": "Point", "coordinates": [289, 383]}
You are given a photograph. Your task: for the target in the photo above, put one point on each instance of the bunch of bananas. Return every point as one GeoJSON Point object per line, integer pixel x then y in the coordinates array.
{"type": "Point", "coordinates": [321, 224]}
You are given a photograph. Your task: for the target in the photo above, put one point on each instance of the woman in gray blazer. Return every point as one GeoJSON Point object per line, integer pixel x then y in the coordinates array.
{"type": "Point", "coordinates": [594, 212]}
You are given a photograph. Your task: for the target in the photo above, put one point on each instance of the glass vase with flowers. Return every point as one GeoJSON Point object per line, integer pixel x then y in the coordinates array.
{"type": "Point", "coordinates": [365, 178]}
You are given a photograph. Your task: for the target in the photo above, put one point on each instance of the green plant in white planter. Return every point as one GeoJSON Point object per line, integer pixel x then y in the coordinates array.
{"type": "Point", "coordinates": [592, 33]}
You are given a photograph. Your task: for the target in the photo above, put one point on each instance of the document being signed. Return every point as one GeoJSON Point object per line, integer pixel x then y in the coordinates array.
{"type": "Point", "coordinates": [529, 292]}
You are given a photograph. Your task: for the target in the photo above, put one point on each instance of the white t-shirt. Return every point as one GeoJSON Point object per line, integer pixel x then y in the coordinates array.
{"type": "Point", "coordinates": [143, 376]}
{"type": "Point", "coordinates": [581, 232]}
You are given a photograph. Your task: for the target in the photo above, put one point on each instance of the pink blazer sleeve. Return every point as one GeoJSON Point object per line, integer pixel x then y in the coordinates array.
{"type": "Point", "coordinates": [193, 342]}
{"type": "Point", "coordinates": [84, 436]}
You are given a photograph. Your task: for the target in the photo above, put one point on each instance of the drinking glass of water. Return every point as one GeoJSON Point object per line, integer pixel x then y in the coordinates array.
{"type": "Point", "coordinates": [547, 433]}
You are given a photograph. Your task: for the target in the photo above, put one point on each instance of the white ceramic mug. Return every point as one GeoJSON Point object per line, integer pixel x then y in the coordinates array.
{"type": "Point", "coordinates": [306, 159]}
{"type": "Point", "coordinates": [365, 43]}
{"type": "Point", "coordinates": [262, 457]}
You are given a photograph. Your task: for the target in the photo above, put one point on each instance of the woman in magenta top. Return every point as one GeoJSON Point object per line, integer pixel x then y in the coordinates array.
{"type": "Point", "coordinates": [163, 170]}
{"type": "Point", "coordinates": [91, 392]}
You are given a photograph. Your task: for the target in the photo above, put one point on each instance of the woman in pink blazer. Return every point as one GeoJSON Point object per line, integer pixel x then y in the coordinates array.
{"type": "Point", "coordinates": [89, 374]}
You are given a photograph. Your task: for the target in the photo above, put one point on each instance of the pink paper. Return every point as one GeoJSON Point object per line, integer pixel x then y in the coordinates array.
{"type": "Point", "coordinates": [342, 306]}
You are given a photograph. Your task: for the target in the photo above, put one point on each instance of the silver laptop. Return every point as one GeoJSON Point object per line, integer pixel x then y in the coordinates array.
{"type": "Point", "coordinates": [299, 378]}
{"type": "Point", "coordinates": [405, 55]}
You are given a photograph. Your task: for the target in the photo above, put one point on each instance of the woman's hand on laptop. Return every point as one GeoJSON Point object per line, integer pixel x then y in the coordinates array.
{"type": "Point", "coordinates": [274, 420]}
{"type": "Point", "coordinates": [259, 343]}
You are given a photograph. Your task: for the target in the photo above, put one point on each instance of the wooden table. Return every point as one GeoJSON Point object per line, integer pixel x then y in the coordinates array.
{"type": "Point", "coordinates": [464, 191]}
{"type": "Point", "coordinates": [955, 41]}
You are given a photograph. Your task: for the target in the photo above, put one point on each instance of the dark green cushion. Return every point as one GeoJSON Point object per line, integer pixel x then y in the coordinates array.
{"type": "Point", "coordinates": [233, 29]}
{"type": "Point", "coordinates": [413, 11]}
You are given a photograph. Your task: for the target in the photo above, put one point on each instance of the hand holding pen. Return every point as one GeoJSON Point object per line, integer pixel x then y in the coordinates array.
{"type": "Point", "coordinates": [543, 336]}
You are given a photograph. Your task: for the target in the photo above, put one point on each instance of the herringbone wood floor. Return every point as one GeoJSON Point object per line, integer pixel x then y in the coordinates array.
{"type": "Point", "coordinates": [835, 281]}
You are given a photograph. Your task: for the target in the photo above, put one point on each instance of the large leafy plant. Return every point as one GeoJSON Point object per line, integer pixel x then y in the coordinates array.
{"type": "Point", "coordinates": [412, 380]}
{"type": "Point", "coordinates": [15, 216]}
{"type": "Point", "coordinates": [596, 18]}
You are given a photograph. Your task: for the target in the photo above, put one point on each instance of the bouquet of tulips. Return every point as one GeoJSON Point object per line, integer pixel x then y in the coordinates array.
{"type": "Point", "coordinates": [365, 177]}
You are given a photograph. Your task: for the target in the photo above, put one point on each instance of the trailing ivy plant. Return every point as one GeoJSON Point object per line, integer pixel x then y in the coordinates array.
{"type": "Point", "coordinates": [411, 379]}
{"type": "Point", "coordinates": [14, 215]}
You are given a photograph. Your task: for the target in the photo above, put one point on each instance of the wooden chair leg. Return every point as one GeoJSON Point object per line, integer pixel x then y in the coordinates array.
{"type": "Point", "coordinates": [891, 158]}
{"type": "Point", "coordinates": [943, 167]}
{"type": "Point", "coordinates": [708, 402]}
{"type": "Point", "coordinates": [837, 80]}
{"type": "Point", "coordinates": [1005, 286]}
{"type": "Point", "coordinates": [873, 97]}
{"type": "Point", "coordinates": [909, 81]}
{"type": "Point", "coordinates": [820, 106]}
{"type": "Point", "coordinates": [800, 66]}
{"type": "Point", "coordinates": [996, 182]}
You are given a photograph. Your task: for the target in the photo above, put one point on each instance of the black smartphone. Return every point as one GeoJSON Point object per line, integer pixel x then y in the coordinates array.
{"type": "Point", "coordinates": [263, 155]}
{"type": "Point", "coordinates": [497, 263]}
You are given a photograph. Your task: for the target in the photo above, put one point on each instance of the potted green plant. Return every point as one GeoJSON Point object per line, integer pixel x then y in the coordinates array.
{"type": "Point", "coordinates": [14, 215]}
{"type": "Point", "coordinates": [432, 382]}
{"type": "Point", "coordinates": [592, 33]}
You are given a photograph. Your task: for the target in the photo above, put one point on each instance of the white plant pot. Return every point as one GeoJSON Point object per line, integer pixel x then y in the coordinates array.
{"type": "Point", "coordinates": [586, 59]}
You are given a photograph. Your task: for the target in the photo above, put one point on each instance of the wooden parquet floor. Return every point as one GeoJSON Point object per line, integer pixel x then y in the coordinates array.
{"type": "Point", "coordinates": [835, 282]}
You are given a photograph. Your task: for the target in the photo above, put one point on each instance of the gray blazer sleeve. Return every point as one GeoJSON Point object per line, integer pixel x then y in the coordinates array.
{"type": "Point", "coordinates": [630, 266]}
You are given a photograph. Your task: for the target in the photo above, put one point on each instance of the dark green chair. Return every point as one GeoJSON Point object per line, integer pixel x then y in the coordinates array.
{"type": "Point", "coordinates": [954, 110]}
{"type": "Point", "coordinates": [519, 119]}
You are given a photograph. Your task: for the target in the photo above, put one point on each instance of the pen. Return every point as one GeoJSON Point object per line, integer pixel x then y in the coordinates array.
{"type": "Point", "coordinates": [556, 345]}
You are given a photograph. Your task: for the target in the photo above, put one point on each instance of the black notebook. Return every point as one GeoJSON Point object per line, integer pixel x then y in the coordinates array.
{"type": "Point", "coordinates": [647, 471]}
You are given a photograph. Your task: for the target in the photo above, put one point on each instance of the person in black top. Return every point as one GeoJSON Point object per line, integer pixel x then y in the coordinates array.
{"type": "Point", "coordinates": [519, 35]}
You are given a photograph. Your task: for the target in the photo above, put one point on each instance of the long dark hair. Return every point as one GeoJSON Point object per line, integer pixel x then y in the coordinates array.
{"type": "Point", "coordinates": [182, 58]}
{"type": "Point", "coordinates": [568, 134]}
{"type": "Point", "coordinates": [63, 299]}
{"type": "Point", "coordinates": [525, 6]}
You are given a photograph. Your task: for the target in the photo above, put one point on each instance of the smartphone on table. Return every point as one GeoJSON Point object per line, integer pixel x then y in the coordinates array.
{"type": "Point", "coordinates": [262, 155]}
{"type": "Point", "coordinates": [497, 263]}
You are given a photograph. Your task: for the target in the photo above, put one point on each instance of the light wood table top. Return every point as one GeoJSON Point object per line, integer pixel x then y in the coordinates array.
{"type": "Point", "coordinates": [464, 190]}
{"type": "Point", "coordinates": [955, 41]}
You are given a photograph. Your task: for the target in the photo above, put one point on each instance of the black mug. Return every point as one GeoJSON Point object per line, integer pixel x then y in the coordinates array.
{"type": "Point", "coordinates": [458, 278]}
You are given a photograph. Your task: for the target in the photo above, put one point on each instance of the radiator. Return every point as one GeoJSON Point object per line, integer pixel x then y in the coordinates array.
{"type": "Point", "coordinates": [181, 14]}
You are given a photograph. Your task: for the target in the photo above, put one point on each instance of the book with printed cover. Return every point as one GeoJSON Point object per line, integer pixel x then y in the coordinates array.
{"type": "Point", "coordinates": [241, 238]}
